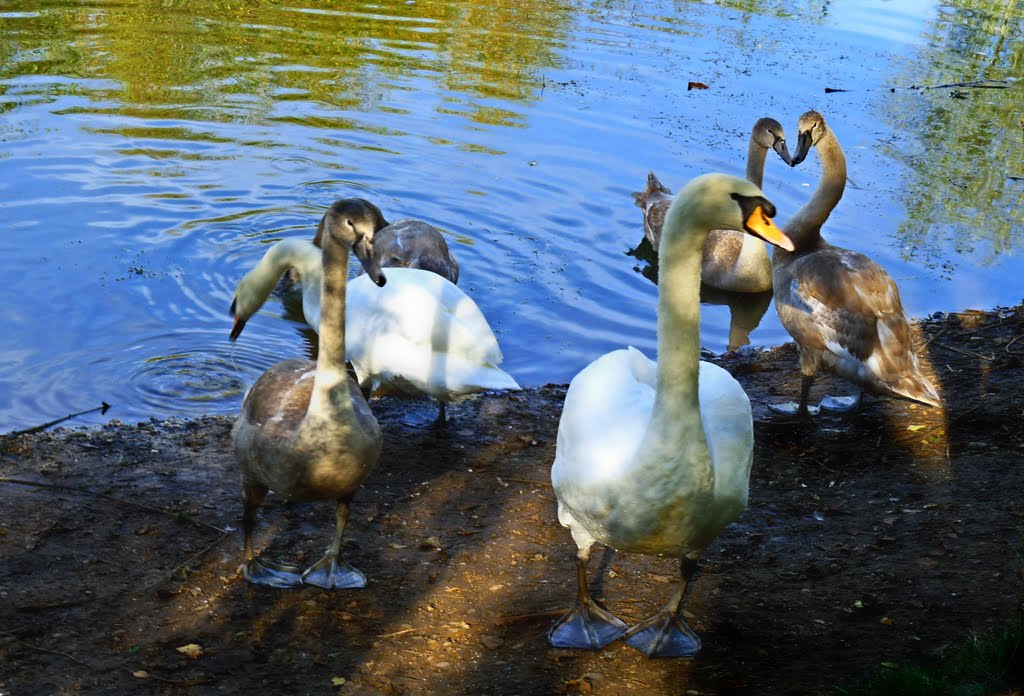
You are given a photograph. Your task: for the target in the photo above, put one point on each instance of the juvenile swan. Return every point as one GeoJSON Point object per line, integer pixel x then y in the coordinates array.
{"type": "Point", "coordinates": [305, 431]}
{"type": "Point", "coordinates": [409, 244]}
{"type": "Point", "coordinates": [842, 309]}
{"type": "Point", "coordinates": [650, 457]}
{"type": "Point", "coordinates": [732, 260]}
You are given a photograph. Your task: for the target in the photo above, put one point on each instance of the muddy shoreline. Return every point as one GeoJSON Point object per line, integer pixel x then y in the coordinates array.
{"type": "Point", "coordinates": [886, 536]}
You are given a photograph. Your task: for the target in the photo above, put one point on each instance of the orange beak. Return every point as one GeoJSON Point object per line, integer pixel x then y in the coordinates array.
{"type": "Point", "coordinates": [761, 225]}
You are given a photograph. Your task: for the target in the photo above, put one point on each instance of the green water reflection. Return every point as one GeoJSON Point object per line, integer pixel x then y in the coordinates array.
{"type": "Point", "coordinates": [962, 146]}
{"type": "Point", "coordinates": [259, 55]}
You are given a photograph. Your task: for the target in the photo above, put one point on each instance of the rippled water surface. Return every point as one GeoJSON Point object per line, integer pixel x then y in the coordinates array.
{"type": "Point", "coordinates": [150, 150]}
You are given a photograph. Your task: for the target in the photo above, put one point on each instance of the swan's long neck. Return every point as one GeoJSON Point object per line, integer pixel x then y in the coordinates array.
{"type": "Point", "coordinates": [756, 155]}
{"type": "Point", "coordinates": [330, 387]}
{"type": "Point", "coordinates": [804, 228]}
{"type": "Point", "coordinates": [258, 283]}
{"type": "Point", "coordinates": [675, 429]}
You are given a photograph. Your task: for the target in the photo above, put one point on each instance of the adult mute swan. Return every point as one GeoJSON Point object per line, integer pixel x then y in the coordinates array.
{"type": "Point", "coordinates": [732, 260]}
{"type": "Point", "coordinates": [655, 458]}
{"type": "Point", "coordinates": [305, 430]}
{"type": "Point", "coordinates": [842, 309]}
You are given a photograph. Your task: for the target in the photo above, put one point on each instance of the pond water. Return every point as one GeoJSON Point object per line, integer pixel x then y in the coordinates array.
{"type": "Point", "coordinates": [150, 150]}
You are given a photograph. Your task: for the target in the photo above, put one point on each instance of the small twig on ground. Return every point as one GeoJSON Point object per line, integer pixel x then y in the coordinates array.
{"type": "Point", "coordinates": [122, 501]}
{"type": "Point", "coordinates": [1014, 352]}
{"type": "Point", "coordinates": [170, 573]}
{"type": "Point", "coordinates": [970, 353]}
{"type": "Point", "coordinates": [102, 408]}
{"type": "Point", "coordinates": [54, 652]}
{"type": "Point", "coordinates": [506, 620]}
{"type": "Point", "coordinates": [933, 337]}
{"type": "Point", "coordinates": [929, 431]}
{"type": "Point", "coordinates": [198, 681]}
{"type": "Point", "coordinates": [396, 633]}
{"type": "Point", "coordinates": [546, 484]}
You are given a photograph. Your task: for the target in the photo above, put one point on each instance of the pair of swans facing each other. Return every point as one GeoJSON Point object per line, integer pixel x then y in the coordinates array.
{"type": "Point", "coordinates": [842, 309]}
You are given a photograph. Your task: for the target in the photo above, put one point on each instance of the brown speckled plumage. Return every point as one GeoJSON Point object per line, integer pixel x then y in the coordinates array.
{"type": "Point", "coordinates": [305, 430]}
{"type": "Point", "coordinates": [842, 308]}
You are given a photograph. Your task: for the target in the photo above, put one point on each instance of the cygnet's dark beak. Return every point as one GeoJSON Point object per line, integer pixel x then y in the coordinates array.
{"type": "Point", "coordinates": [363, 250]}
{"type": "Point", "coordinates": [782, 150]}
{"type": "Point", "coordinates": [803, 146]}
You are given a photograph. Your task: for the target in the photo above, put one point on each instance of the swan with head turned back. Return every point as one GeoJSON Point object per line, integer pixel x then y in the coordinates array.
{"type": "Point", "coordinates": [419, 335]}
{"type": "Point", "coordinates": [655, 458]}
{"type": "Point", "coordinates": [842, 309]}
{"type": "Point", "coordinates": [305, 431]}
{"type": "Point", "coordinates": [732, 260]}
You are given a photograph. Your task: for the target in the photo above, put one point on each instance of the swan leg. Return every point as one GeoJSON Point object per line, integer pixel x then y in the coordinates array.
{"type": "Point", "coordinates": [801, 410]}
{"type": "Point", "coordinates": [330, 572]}
{"type": "Point", "coordinates": [588, 625]}
{"type": "Point", "coordinates": [255, 570]}
{"type": "Point", "coordinates": [439, 422]}
{"type": "Point", "coordinates": [666, 634]}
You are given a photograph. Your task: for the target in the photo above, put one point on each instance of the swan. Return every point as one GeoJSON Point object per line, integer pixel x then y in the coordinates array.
{"type": "Point", "coordinates": [842, 309]}
{"type": "Point", "coordinates": [732, 261]}
{"type": "Point", "coordinates": [409, 244]}
{"type": "Point", "coordinates": [418, 335]}
{"type": "Point", "coordinates": [655, 458]}
{"type": "Point", "coordinates": [305, 430]}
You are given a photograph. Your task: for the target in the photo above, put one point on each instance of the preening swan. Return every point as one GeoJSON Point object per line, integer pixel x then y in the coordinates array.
{"type": "Point", "coordinates": [732, 260]}
{"type": "Point", "coordinates": [652, 458]}
{"type": "Point", "coordinates": [842, 309]}
{"type": "Point", "coordinates": [305, 430]}
{"type": "Point", "coordinates": [418, 335]}
{"type": "Point", "coordinates": [410, 244]}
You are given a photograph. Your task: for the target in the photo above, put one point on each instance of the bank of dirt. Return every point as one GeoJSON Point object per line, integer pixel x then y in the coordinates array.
{"type": "Point", "coordinates": [882, 537]}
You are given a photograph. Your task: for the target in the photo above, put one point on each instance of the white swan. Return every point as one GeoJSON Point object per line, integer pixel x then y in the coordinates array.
{"type": "Point", "coordinates": [732, 261]}
{"type": "Point", "coordinates": [842, 309]}
{"type": "Point", "coordinates": [418, 335]}
{"type": "Point", "coordinates": [650, 457]}
{"type": "Point", "coordinates": [305, 430]}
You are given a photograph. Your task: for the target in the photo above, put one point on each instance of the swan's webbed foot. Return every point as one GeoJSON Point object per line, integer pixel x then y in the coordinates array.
{"type": "Point", "coordinates": [270, 574]}
{"type": "Point", "coordinates": [587, 626]}
{"type": "Point", "coordinates": [839, 404]}
{"type": "Point", "coordinates": [663, 635]}
{"type": "Point", "coordinates": [332, 573]}
{"type": "Point", "coordinates": [438, 424]}
{"type": "Point", "coordinates": [791, 408]}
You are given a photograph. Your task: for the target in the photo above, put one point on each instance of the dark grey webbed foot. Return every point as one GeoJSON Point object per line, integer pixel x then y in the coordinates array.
{"type": "Point", "coordinates": [663, 635]}
{"type": "Point", "coordinates": [332, 573]}
{"type": "Point", "coordinates": [270, 574]}
{"type": "Point", "coordinates": [587, 626]}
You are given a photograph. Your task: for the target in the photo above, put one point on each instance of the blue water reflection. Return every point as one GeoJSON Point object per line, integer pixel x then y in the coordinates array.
{"type": "Point", "coordinates": [148, 158]}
